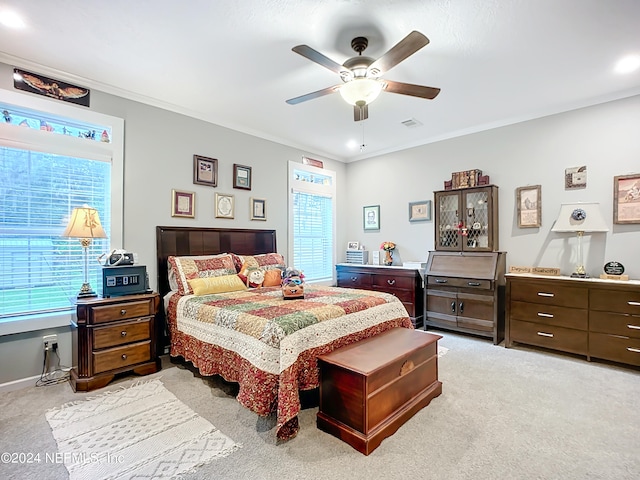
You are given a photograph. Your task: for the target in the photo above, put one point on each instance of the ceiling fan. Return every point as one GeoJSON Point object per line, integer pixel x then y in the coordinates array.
{"type": "Point", "coordinates": [361, 75]}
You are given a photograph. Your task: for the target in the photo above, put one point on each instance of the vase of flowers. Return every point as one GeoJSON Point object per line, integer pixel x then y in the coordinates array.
{"type": "Point", "coordinates": [388, 247]}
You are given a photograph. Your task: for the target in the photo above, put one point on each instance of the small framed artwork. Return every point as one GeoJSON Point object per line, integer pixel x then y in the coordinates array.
{"type": "Point", "coordinates": [353, 246]}
{"type": "Point", "coordinates": [626, 199]}
{"type": "Point", "coordinates": [529, 202]}
{"type": "Point", "coordinates": [241, 177]}
{"type": "Point", "coordinates": [258, 209]}
{"type": "Point", "coordinates": [420, 211]}
{"type": "Point", "coordinates": [371, 217]}
{"type": "Point", "coordinates": [224, 205]}
{"type": "Point", "coordinates": [183, 204]}
{"type": "Point", "coordinates": [205, 171]}
{"type": "Point", "coordinates": [575, 177]}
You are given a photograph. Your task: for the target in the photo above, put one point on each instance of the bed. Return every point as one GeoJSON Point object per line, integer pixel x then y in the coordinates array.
{"type": "Point", "coordinates": [252, 336]}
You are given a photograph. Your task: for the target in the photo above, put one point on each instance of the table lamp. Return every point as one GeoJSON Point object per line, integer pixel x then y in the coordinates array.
{"type": "Point", "coordinates": [580, 218]}
{"type": "Point", "coordinates": [85, 225]}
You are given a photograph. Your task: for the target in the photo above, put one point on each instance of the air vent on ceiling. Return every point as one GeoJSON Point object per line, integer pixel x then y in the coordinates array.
{"type": "Point", "coordinates": [411, 123]}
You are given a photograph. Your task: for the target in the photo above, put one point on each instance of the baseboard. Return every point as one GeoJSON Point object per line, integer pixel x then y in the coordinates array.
{"type": "Point", "coordinates": [18, 384]}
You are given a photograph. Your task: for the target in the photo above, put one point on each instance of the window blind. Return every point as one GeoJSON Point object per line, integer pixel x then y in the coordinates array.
{"type": "Point", "coordinates": [39, 270]}
{"type": "Point", "coordinates": [313, 235]}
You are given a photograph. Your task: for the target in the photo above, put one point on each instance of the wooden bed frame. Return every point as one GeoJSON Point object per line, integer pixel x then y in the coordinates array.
{"type": "Point", "coordinates": [204, 241]}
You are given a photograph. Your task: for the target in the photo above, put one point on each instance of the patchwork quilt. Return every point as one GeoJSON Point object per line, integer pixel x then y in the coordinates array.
{"type": "Point", "coordinates": [269, 345]}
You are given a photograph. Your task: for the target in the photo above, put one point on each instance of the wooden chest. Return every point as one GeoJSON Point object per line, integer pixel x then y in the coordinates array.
{"type": "Point", "coordinates": [370, 388]}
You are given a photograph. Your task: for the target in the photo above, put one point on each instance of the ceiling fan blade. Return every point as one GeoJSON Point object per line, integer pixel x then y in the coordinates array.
{"type": "Point", "coordinates": [404, 48]}
{"type": "Point", "coordinates": [312, 95]}
{"type": "Point", "coordinates": [409, 89]}
{"type": "Point", "coordinates": [317, 57]}
{"type": "Point", "coordinates": [360, 112]}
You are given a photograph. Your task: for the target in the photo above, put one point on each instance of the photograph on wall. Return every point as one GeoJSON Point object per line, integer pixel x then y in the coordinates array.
{"type": "Point", "coordinates": [575, 177]}
{"type": "Point", "coordinates": [529, 202]}
{"type": "Point", "coordinates": [371, 217]}
{"type": "Point", "coordinates": [420, 211]}
{"type": "Point", "coordinates": [41, 85]}
{"type": "Point", "coordinates": [241, 177]}
{"type": "Point", "coordinates": [258, 209]}
{"type": "Point", "coordinates": [626, 199]}
{"type": "Point", "coordinates": [205, 171]}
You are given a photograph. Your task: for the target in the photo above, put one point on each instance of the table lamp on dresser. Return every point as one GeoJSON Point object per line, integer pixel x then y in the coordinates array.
{"type": "Point", "coordinates": [580, 218]}
{"type": "Point", "coordinates": [85, 225]}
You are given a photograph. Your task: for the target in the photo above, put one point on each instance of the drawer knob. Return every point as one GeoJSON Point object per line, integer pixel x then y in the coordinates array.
{"type": "Point", "coordinates": [542, 334]}
{"type": "Point", "coordinates": [473, 284]}
{"type": "Point", "coordinates": [123, 333]}
{"type": "Point", "coordinates": [392, 281]}
{"type": "Point", "coordinates": [440, 280]}
{"type": "Point", "coordinates": [543, 294]}
{"type": "Point", "coordinates": [547, 315]}
{"type": "Point", "coordinates": [634, 327]}
{"type": "Point", "coordinates": [353, 279]}
{"type": "Point", "coordinates": [124, 356]}
{"type": "Point", "coordinates": [123, 312]}
{"type": "Point", "coordinates": [634, 350]}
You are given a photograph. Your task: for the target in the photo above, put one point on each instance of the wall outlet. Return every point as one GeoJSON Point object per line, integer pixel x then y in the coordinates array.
{"type": "Point", "coordinates": [48, 341]}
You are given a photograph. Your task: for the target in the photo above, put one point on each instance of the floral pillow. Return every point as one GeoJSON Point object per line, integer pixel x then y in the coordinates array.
{"type": "Point", "coordinates": [205, 266]}
{"type": "Point", "coordinates": [265, 261]}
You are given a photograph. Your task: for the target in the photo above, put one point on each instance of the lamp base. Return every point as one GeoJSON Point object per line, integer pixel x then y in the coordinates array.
{"type": "Point", "coordinates": [86, 291]}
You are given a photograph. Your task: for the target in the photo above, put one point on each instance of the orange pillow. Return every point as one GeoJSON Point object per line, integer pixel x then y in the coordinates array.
{"type": "Point", "coordinates": [272, 278]}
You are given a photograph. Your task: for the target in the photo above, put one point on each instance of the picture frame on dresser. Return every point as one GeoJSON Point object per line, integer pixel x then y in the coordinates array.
{"type": "Point", "coordinates": [626, 199]}
{"type": "Point", "coordinates": [529, 206]}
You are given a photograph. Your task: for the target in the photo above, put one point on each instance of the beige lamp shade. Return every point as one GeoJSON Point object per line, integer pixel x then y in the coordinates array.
{"type": "Point", "coordinates": [84, 223]}
{"type": "Point", "coordinates": [580, 217]}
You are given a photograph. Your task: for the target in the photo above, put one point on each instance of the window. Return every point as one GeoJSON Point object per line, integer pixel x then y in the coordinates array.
{"type": "Point", "coordinates": [53, 158]}
{"type": "Point", "coordinates": [312, 221]}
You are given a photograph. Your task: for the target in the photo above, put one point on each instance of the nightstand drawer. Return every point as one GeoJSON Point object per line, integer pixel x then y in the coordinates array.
{"type": "Point", "coordinates": [615, 301]}
{"type": "Point", "coordinates": [549, 294]}
{"type": "Point", "coordinates": [121, 311]}
{"type": "Point", "coordinates": [550, 336]}
{"type": "Point", "coordinates": [615, 348]}
{"type": "Point", "coordinates": [119, 357]}
{"type": "Point", "coordinates": [550, 315]}
{"type": "Point", "coordinates": [120, 334]}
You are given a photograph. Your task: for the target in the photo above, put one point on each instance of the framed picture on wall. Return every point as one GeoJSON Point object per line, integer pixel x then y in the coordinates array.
{"type": "Point", "coordinates": [241, 177]}
{"type": "Point", "coordinates": [258, 209]}
{"type": "Point", "coordinates": [626, 199]}
{"type": "Point", "coordinates": [529, 203]}
{"type": "Point", "coordinates": [420, 211]}
{"type": "Point", "coordinates": [183, 204]}
{"type": "Point", "coordinates": [224, 205]}
{"type": "Point", "coordinates": [371, 217]}
{"type": "Point", "coordinates": [205, 171]}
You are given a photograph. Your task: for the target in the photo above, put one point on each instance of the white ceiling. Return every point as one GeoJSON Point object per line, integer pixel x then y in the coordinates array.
{"type": "Point", "coordinates": [230, 62]}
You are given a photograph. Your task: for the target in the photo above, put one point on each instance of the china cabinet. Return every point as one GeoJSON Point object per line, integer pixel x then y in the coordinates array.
{"type": "Point", "coordinates": [467, 219]}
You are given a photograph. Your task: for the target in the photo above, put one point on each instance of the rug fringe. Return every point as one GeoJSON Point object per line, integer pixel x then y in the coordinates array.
{"type": "Point", "coordinates": [73, 403]}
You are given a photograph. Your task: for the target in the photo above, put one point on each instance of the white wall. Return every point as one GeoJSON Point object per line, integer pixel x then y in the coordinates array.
{"type": "Point", "coordinates": [603, 137]}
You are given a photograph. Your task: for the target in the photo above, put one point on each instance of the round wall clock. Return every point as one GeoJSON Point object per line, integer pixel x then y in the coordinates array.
{"type": "Point", "coordinates": [578, 214]}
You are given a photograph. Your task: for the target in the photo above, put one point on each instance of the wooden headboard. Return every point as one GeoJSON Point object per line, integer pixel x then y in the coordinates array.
{"type": "Point", "coordinates": [207, 241]}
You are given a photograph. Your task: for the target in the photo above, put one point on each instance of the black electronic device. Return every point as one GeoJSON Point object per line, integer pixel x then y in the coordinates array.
{"type": "Point", "coordinates": [120, 258]}
{"type": "Point", "coordinates": [124, 280]}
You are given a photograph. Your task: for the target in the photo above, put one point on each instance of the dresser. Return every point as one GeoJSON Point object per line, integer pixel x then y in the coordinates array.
{"type": "Point", "coordinates": [584, 316]}
{"type": "Point", "coordinates": [404, 283]}
{"type": "Point", "coordinates": [113, 335]}
{"type": "Point", "coordinates": [465, 293]}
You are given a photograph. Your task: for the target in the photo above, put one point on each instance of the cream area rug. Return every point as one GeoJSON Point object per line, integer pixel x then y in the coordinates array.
{"type": "Point", "coordinates": [138, 432]}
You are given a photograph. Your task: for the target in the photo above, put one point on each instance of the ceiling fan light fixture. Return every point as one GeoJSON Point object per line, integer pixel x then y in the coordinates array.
{"type": "Point", "coordinates": [361, 90]}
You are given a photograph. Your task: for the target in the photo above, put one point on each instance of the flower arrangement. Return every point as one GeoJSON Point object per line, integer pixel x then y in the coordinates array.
{"type": "Point", "coordinates": [387, 246]}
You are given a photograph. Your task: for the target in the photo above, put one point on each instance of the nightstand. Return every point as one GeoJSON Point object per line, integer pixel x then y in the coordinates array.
{"type": "Point", "coordinates": [113, 335]}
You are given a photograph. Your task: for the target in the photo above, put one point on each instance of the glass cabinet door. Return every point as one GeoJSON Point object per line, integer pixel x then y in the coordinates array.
{"type": "Point", "coordinates": [477, 229]}
{"type": "Point", "coordinates": [447, 221]}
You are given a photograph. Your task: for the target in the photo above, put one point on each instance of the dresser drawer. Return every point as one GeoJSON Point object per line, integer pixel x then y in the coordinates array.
{"type": "Point", "coordinates": [354, 280]}
{"type": "Point", "coordinates": [549, 293]}
{"type": "Point", "coordinates": [129, 332]}
{"type": "Point", "coordinates": [615, 348]}
{"type": "Point", "coordinates": [615, 301]}
{"type": "Point", "coordinates": [550, 315]}
{"type": "Point", "coordinates": [459, 282]}
{"type": "Point", "coordinates": [121, 311]}
{"type": "Point", "coordinates": [615, 324]}
{"type": "Point", "coordinates": [392, 282]}
{"type": "Point", "coordinates": [550, 336]}
{"type": "Point", "coordinates": [119, 357]}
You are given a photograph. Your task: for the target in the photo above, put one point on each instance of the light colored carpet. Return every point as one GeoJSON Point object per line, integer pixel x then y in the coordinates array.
{"type": "Point", "coordinates": [138, 432]}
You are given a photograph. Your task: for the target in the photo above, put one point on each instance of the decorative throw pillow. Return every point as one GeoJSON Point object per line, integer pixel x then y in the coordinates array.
{"type": "Point", "coordinates": [205, 266]}
{"type": "Point", "coordinates": [266, 261]}
{"type": "Point", "coordinates": [272, 278]}
{"type": "Point", "coordinates": [222, 284]}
